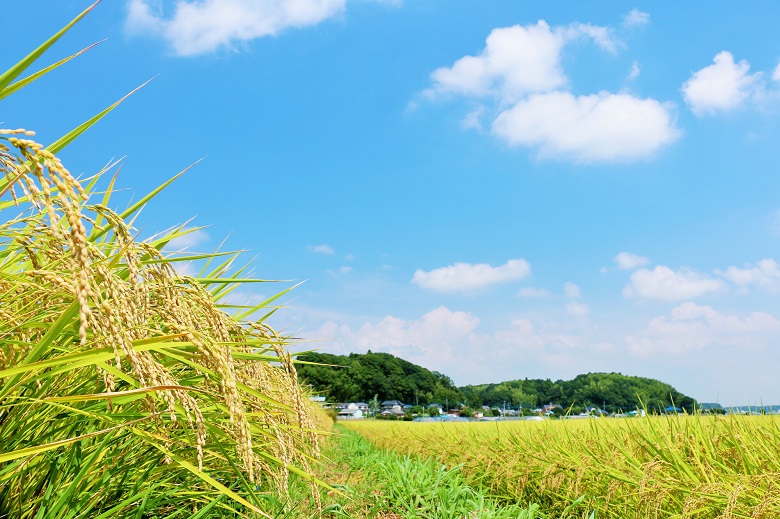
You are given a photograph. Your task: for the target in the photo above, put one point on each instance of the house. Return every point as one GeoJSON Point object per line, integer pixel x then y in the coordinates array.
{"type": "Point", "coordinates": [350, 414]}
{"type": "Point", "coordinates": [392, 407]}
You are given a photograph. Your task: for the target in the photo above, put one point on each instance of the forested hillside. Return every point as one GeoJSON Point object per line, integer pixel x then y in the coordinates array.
{"type": "Point", "coordinates": [609, 391]}
{"type": "Point", "coordinates": [359, 377]}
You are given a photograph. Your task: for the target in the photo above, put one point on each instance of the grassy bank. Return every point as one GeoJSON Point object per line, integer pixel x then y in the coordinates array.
{"type": "Point", "coordinates": [377, 483]}
{"type": "Point", "coordinates": [659, 467]}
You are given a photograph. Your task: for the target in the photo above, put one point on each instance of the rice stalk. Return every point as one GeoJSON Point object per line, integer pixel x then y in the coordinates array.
{"type": "Point", "coordinates": [125, 390]}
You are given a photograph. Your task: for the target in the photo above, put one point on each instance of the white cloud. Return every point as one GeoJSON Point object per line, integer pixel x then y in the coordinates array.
{"type": "Point", "coordinates": [690, 327]}
{"type": "Point", "coordinates": [188, 240]}
{"type": "Point", "coordinates": [592, 128]}
{"type": "Point", "coordinates": [602, 36]}
{"type": "Point", "coordinates": [577, 309]}
{"type": "Point", "coordinates": [722, 86]}
{"type": "Point", "coordinates": [626, 261]}
{"type": "Point", "coordinates": [636, 18]}
{"type": "Point", "coordinates": [469, 276]}
{"type": "Point", "coordinates": [665, 284]}
{"type": "Point", "coordinates": [516, 61]}
{"type": "Point", "coordinates": [776, 73]}
{"type": "Point", "coordinates": [571, 290]}
{"type": "Point", "coordinates": [534, 293]}
{"type": "Point", "coordinates": [436, 336]}
{"type": "Point", "coordinates": [198, 27]}
{"type": "Point", "coordinates": [520, 72]}
{"type": "Point", "coordinates": [765, 275]}
{"type": "Point", "coordinates": [322, 249]}
{"type": "Point", "coordinates": [451, 342]}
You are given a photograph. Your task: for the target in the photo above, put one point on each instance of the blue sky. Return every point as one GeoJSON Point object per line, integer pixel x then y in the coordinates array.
{"type": "Point", "coordinates": [493, 190]}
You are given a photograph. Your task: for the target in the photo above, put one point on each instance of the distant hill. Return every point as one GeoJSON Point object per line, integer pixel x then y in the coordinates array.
{"type": "Point", "coordinates": [609, 391]}
{"type": "Point", "coordinates": [359, 377]}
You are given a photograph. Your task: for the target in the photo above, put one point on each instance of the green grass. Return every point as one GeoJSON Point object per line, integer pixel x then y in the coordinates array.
{"type": "Point", "coordinates": [376, 483]}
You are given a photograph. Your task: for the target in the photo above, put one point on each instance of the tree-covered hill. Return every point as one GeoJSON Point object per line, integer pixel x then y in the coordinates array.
{"type": "Point", "coordinates": [359, 377]}
{"type": "Point", "coordinates": [609, 391]}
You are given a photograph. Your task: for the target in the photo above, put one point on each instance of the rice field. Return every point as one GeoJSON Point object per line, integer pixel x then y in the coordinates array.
{"type": "Point", "coordinates": [652, 467]}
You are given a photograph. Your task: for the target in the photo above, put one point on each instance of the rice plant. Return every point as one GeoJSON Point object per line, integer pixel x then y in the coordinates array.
{"type": "Point", "coordinates": [126, 390]}
{"type": "Point", "coordinates": [653, 467]}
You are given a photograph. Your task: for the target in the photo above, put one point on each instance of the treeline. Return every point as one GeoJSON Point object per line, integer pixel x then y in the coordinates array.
{"type": "Point", "coordinates": [611, 392]}
{"type": "Point", "coordinates": [359, 377]}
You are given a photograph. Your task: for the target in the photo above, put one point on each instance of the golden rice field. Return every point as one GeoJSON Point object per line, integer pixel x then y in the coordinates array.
{"type": "Point", "coordinates": [654, 467]}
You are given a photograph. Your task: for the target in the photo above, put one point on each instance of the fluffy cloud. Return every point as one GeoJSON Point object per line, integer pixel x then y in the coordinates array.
{"type": "Point", "coordinates": [198, 27]}
{"type": "Point", "coordinates": [693, 327]}
{"type": "Point", "coordinates": [520, 72]}
{"type": "Point", "coordinates": [322, 249]}
{"type": "Point", "coordinates": [515, 61]}
{"type": "Point", "coordinates": [626, 261]}
{"type": "Point", "coordinates": [602, 127]}
{"type": "Point", "coordinates": [764, 275]}
{"type": "Point", "coordinates": [439, 338]}
{"type": "Point", "coordinates": [469, 276]}
{"type": "Point", "coordinates": [722, 86]}
{"type": "Point", "coordinates": [666, 284]}
{"type": "Point", "coordinates": [451, 342]}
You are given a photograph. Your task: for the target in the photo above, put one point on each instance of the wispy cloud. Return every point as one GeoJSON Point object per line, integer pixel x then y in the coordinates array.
{"type": "Point", "coordinates": [764, 275]}
{"type": "Point", "coordinates": [636, 18]}
{"type": "Point", "coordinates": [666, 284]}
{"type": "Point", "coordinates": [188, 240]}
{"type": "Point", "coordinates": [571, 290]}
{"type": "Point", "coordinates": [626, 261]}
{"type": "Point", "coordinates": [534, 293]}
{"type": "Point", "coordinates": [691, 327]}
{"type": "Point", "coordinates": [577, 309]}
{"type": "Point", "coordinates": [322, 249]}
{"type": "Point", "coordinates": [470, 276]}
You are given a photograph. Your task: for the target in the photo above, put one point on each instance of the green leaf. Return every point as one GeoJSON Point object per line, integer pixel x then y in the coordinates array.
{"type": "Point", "coordinates": [29, 79]}
{"type": "Point", "coordinates": [16, 70]}
{"type": "Point", "coordinates": [69, 137]}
